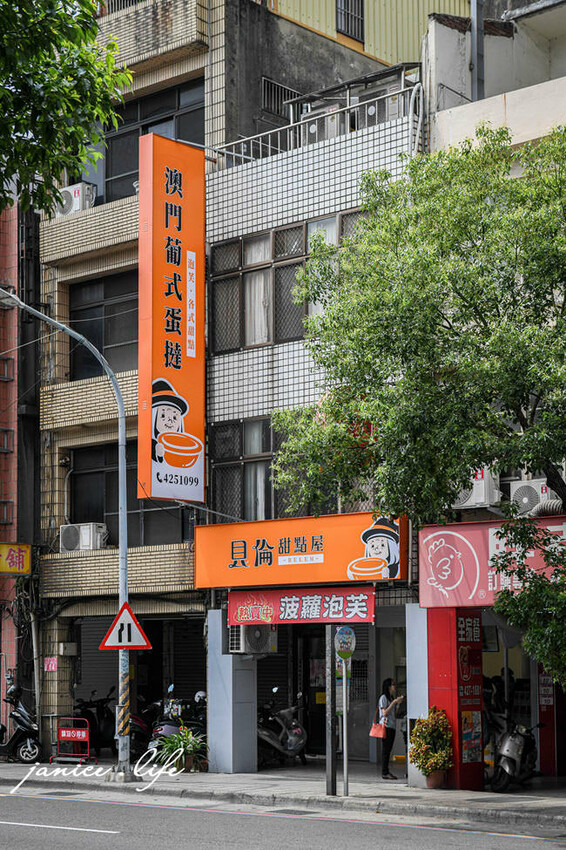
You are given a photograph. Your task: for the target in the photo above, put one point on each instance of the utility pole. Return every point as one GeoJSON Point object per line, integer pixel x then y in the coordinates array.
{"type": "Point", "coordinates": [8, 298]}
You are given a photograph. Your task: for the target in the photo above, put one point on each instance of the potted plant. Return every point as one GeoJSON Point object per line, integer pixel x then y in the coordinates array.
{"type": "Point", "coordinates": [431, 746]}
{"type": "Point", "coordinates": [189, 747]}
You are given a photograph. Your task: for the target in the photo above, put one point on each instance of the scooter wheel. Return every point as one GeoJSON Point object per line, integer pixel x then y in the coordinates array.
{"type": "Point", "coordinates": [303, 757]}
{"type": "Point", "coordinates": [27, 752]}
{"type": "Point", "coordinates": [500, 781]}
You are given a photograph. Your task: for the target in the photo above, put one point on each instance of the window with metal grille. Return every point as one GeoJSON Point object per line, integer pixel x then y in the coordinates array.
{"type": "Point", "coordinates": [289, 242]}
{"type": "Point", "coordinates": [288, 316]}
{"type": "Point", "coordinates": [256, 306]}
{"type": "Point", "coordinates": [242, 489]}
{"type": "Point", "coordinates": [226, 257]}
{"type": "Point", "coordinates": [226, 315]}
{"type": "Point", "coordinates": [348, 223]}
{"type": "Point", "coordinates": [350, 18]}
{"type": "Point", "coordinates": [274, 95]}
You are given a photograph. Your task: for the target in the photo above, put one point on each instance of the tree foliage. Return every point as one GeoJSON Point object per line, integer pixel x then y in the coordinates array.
{"type": "Point", "coordinates": [441, 341]}
{"type": "Point", "coordinates": [57, 91]}
{"type": "Point", "coordinates": [539, 607]}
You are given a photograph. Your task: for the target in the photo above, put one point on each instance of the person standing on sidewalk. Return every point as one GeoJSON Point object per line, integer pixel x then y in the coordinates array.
{"type": "Point", "coordinates": [388, 703]}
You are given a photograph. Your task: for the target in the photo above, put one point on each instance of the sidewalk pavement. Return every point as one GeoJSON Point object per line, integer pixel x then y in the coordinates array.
{"type": "Point", "coordinates": [540, 803]}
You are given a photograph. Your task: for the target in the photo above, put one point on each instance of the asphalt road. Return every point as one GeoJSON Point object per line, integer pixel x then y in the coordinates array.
{"type": "Point", "coordinates": [78, 822]}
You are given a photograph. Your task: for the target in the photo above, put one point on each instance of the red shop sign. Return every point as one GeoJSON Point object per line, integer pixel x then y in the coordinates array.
{"type": "Point", "coordinates": [302, 605]}
{"type": "Point", "coordinates": [455, 563]}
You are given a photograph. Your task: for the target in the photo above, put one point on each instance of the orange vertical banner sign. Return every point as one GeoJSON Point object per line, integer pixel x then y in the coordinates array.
{"type": "Point", "coordinates": [171, 321]}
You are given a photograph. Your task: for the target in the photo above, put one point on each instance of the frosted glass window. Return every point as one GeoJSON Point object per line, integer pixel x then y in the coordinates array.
{"type": "Point", "coordinates": [329, 229]}
{"type": "Point", "coordinates": [257, 250]}
{"type": "Point", "coordinates": [257, 307]}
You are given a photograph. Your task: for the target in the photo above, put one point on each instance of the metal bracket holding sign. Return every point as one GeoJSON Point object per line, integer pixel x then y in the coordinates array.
{"type": "Point", "coordinates": [345, 644]}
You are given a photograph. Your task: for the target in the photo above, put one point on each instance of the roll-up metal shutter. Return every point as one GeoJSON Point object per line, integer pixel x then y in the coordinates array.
{"type": "Point", "coordinates": [99, 670]}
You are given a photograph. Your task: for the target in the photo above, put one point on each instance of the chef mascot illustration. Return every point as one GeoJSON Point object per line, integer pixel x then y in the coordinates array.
{"type": "Point", "coordinates": [167, 411]}
{"type": "Point", "coordinates": [381, 558]}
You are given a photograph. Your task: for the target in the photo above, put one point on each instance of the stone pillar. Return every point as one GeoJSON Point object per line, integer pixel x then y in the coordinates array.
{"type": "Point", "coordinates": [57, 688]}
{"type": "Point", "coordinates": [232, 703]}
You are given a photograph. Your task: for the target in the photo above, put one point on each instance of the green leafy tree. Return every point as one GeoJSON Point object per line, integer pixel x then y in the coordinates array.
{"type": "Point", "coordinates": [442, 336]}
{"type": "Point", "coordinates": [538, 607]}
{"type": "Point", "coordinates": [58, 89]}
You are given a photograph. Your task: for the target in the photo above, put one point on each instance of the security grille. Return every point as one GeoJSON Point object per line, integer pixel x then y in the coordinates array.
{"type": "Point", "coordinates": [228, 493]}
{"type": "Point", "coordinates": [350, 18]}
{"type": "Point", "coordinates": [288, 243]}
{"type": "Point", "coordinates": [226, 441]}
{"type": "Point", "coordinates": [226, 258]}
{"type": "Point", "coordinates": [274, 95]}
{"type": "Point", "coordinates": [288, 315]}
{"type": "Point", "coordinates": [226, 314]}
{"type": "Point", "coordinates": [349, 223]}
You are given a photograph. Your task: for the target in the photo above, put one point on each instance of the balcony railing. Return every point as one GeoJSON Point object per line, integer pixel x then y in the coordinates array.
{"type": "Point", "coordinates": [319, 126]}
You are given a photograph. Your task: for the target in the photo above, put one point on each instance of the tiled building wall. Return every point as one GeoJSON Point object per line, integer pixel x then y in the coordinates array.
{"type": "Point", "coordinates": [214, 90]}
{"type": "Point", "coordinates": [256, 382]}
{"type": "Point", "coordinates": [313, 180]}
{"type": "Point", "coordinates": [151, 569]}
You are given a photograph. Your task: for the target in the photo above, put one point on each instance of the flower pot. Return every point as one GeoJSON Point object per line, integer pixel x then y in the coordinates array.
{"type": "Point", "coordinates": [189, 760]}
{"type": "Point", "coordinates": [436, 779]}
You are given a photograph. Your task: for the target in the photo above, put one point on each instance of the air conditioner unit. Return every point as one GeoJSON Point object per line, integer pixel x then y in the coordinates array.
{"type": "Point", "coordinates": [371, 112]}
{"type": "Point", "coordinates": [252, 639]}
{"type": "Point", "coordinates": [82, 536]}
{"type": "Point", "coordinates": [322, 124]}
{"type": "Point", "coordinates": [482, 492]}
{"type": "Point", "coordinates": [528, 494]}
{"type": "Point", "coordinates": [80, 196]}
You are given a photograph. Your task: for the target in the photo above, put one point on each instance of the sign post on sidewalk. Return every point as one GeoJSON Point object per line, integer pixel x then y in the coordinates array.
{"type": "Point", "coordinates": [345, 644]}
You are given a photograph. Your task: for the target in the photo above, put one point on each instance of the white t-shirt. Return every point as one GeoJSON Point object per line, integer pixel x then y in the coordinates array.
{"type": "Point", "coordinates": [387, 719]}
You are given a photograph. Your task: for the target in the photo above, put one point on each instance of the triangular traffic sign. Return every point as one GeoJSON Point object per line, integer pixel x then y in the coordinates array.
{"type": "Point", "coordinates": [125, 632]}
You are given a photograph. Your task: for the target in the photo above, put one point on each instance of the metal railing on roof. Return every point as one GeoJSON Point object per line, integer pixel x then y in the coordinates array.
{"type": "Point", "coordinates": [318, 126]}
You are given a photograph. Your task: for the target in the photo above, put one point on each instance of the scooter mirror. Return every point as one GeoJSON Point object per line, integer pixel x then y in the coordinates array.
{"type": "Point", "coordinates": [171, 688]}
{"type": "Point", "coordinates": [93, 694]}
{"type": "Point", "coordinates": [112, 689]}
{"type": "Point", "coordinates": [274, 690]}
{"type": "Point", "coordinates": [300, 695]}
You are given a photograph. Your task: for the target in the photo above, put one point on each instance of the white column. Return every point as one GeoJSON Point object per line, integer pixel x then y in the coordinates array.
{"type": "Point", "coordinates": [417, 675]}
{"type": "Point", "coordinates": [232, 703]}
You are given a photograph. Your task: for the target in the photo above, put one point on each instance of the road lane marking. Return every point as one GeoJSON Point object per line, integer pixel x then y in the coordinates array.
{"type": "Point", "coordinates": [66, 828]}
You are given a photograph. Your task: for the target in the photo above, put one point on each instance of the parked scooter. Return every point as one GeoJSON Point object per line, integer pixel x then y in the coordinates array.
{"type": "Point", "coordinates": [279, 733]}
{"type": "Point", "coordinates": [101, 720]}
{"type": "Point", "coordinates": [23, 743]}
{"type": "Point", "coordinates": [516, 757]}
{"type": "Point", "coordinates": [176, 713]}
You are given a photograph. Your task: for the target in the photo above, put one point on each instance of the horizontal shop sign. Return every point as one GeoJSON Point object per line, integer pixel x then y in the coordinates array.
{"type": "Point", "coordinates": [302, 605]}
{"type": "Point", "coordinates": [302, 550]}
{"type": "Point", "coordinates": [455, 563]}
{"type": "Point", "coordinates": [15, 559]}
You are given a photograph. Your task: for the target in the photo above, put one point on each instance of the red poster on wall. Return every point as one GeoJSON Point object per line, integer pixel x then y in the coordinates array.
{"type": "Point", "coordinates": [470, 680]}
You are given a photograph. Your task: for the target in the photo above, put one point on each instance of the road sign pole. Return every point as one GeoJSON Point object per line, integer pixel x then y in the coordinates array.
{"type": "Point", "coordinates": [345, 644]}
{"type": "Point", "coordinates": [345, 721]}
